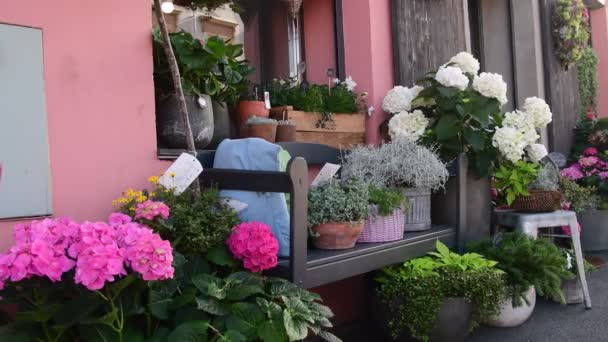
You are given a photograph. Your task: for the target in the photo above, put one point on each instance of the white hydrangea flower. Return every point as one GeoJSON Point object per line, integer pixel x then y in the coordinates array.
{"type": "Point", "coordinates": [466, 62]}
{"type": "Point", "coordinates": [350, 84]}
{"type": "Point", "coordinates": [400, 99]}
{"type": "Point", "coordinates": [336, 81]}
{"type": "Point", "coordinates": [408, 126]}
{"type": "Point", "coordinates": [536, 152]}
{"type": "Point", "coordinates": [491, 85]}
{"type": "Point", "coordinates": [450, 76]}
{"type": "Point", "coordinates": [539, 111]}
{"type": "Point", "coordinates": [522, 122]}
{"type": "Point", "coordinates": [510, 143]}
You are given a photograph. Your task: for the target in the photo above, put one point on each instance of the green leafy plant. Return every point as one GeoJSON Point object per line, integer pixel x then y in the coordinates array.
{"type": "Point", "coordinates": [337, 201]}
{"type": "Point", "coordinates": [413, 292]}
{"type": "Point", "coordinates": [213, 68]}
{"type": "Point", "coordinates": [581, 198]}
{"type": "Point", "coordinates": [526, 262]}
{"type": "Point", "coordinates": [513, 179]}
{"type": "Point", "coordinates": [387, 200]}
{"type": "Point", "coordinates": [316, 97]}
{"type": "Point", "coordinates": [570, 30]}
{"type": "Point", "coordinates": [547, 177]}
{"type": "Point", "coordinates": [586, 71]}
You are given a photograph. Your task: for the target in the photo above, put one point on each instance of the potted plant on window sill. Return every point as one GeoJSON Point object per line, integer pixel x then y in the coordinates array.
{"type": "Point", "coordinates": [336, 211]}
{"type": "Point", "coordinates": [332, 114]}
{"type": "Point", "coordinates": [440, 297]}
{"type": "Point", "coordinates": [531, 266]}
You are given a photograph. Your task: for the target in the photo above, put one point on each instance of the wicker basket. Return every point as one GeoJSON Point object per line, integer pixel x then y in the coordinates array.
{"type": "Point", "coordinates": [383, 228]}
{"type": "Point", "coordinates": [539, 201]}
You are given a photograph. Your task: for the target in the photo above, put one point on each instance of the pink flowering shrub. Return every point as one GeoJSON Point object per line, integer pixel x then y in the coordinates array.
{"type": "Point", "coordinates": [150, 210]}
{"type": "Point", "coordinates": [97, 252]}
{"type": "Point", "coordinates": [255, 245]}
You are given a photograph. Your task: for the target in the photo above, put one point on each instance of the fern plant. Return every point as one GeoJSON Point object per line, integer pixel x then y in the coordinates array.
{"type": "Point", "coordinates": [527, 262]}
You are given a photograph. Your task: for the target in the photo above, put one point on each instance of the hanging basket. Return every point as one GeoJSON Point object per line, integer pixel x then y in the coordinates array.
{"type": "Point", "coordinates": [293, 7]}
{"type": "Point", "coordinates": [539, 201]}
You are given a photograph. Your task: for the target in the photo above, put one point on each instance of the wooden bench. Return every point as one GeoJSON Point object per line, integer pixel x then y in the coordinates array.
{"type": "Point", "coordinates": [310, 267]}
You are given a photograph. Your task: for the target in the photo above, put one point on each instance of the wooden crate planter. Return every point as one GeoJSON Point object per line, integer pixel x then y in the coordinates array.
{"type": "Point", "coordinates": [348, 129]}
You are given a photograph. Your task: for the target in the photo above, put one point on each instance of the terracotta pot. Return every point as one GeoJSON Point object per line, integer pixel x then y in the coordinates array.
{"type": "Point", "coordinates": [337, 235]}
{"type": "Point", "coordinates": [247, 109]}
{"type": "Point", "coordinates": [286, 133]}
{"type": "Point", "coordinates": [267, 132]}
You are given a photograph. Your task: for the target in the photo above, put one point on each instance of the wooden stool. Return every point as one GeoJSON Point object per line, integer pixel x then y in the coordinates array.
{"type": "Point", "coordinates": [530, 223]}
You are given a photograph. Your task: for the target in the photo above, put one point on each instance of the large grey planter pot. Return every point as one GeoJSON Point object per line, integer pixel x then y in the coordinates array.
{"type": "Point", "coordinates": [221, 123]}
{"type": "Point", "coordinates": [453, 321]}
{"type": "Point", "coordinates": [418, 217]}
{"type": "Point", "coordinates": [170, 130]}
{"type": "Point", "coordinates": [594, 233]}
{"type": "Point", "coordinates": [509, 316]}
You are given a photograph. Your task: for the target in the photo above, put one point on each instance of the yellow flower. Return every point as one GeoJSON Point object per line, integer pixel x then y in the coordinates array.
{"type": "Point", "coordinates": [172, 174]}
{"type": "Point", "coordinates": [141, 198]}
{"type": "Point", "coordinates": [152, 194]}
{"type": "Point", "coordinates": [153, 180]}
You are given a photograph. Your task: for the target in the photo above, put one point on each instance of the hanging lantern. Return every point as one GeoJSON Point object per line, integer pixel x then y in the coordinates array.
{"type": "Point", "coordinates": [293, 7]}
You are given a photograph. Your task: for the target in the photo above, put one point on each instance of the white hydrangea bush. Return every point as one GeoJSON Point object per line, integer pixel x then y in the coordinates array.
{"type": "Point", "coordinates": [408, 126]}
{"type": "Point", "coordinates": [539, 112]}
{"type": "Point", "coordinates": [491, 85]}
{"type": "Point", "coordinates": [450, 76]}
{"type": "Point", "coordinates": [510, 143]}
{"type": "Point", "coordinates": [399, 99]}
{"type": "Point", "coordinates": [466, 62]}
{"type": "Point", "coordinates": [536, 152]}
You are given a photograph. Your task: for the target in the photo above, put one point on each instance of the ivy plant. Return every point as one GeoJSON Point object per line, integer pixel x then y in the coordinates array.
{"type": "Point", "coordinates": [586, 71]}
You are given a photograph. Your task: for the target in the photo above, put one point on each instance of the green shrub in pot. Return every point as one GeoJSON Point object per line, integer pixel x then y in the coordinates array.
{"type": "Point", "coordinates": [387, 200]}
{"type": "Point", "coordinates": [414, 292]}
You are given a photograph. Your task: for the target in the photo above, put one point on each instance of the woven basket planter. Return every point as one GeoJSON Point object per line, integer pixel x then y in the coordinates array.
{"type": "Point", "coordinates": [379, 228]}
{"type": "Point", "coordinates": [418, 217]}
{"type": "Point", "coordinates": [539, 201]}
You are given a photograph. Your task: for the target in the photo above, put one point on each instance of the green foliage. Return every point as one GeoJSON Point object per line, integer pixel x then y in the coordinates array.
{"type": "Point", "coordinates": [214, 68]}
{"type": "Point", "coordinates": [337, 201]}
{"type": "Point", "coordinates": [513, 179]}
{"type": "Point", "coordinates": [570, 30]}
{"type": "Point", "coordinates": [387, 200]}
{"type": "Point", "coordinates": [463, 122]}
{"type": "Point", "coordinates": [582, 198]}
{"type": "Point", "coordinates": [195, 226]}
{"type": "Point", "coordinates": [414, 292]}
{"type": "Point", "coordinates": [547, 177]}
{"type": "Point", "coordinates": [316, 97]}
{"type": "Point", "coordinates": [586, 71]}
{"type": "Point", "coordinates": [527, 262]}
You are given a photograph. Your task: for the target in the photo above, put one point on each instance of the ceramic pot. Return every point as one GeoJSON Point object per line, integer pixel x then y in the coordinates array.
{"type": "Point", "coordinates": [337, 235]}
{"type": "Point", "coordinates": [286, 133]}
{"type": "Point", "coordinates": [221, 123]}
{"type": "Point", "coordinates": [594, 235]}
{"type": "Point", "coordinates": [247, 109]}
{"type": "Point", "coordinates": [509, 316]}
{"type": "Point", "coordinates": [267, 132]}
{"type": "Point", "coordinates": [573, 291]}
{"type": "Point", "coordinates": [170, 130]}
{"type": "Point", "coordinates": [418, 217]}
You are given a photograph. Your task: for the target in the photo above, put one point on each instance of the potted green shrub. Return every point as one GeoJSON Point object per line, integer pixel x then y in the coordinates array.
{"type": "Point", "coordinates": [336, 211]}
{"type": "Point", "coordinates": [263, 128]}
{"type": "Point", "coordinates": [387, 215]}
{"type": "Point", "coordinates": [416, 169]}
{"type": "Point", "coordinates": [439, 297]}
{"type": "Point", "coordinates": [531, 266]}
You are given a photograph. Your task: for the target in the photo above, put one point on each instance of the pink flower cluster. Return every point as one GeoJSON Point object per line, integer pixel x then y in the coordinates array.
{"type": "Point", "coordinates": [255, 245]}
{"type": "Point", "coordinates": [150, 210]}
{"type": "Point", "coordinates": [587, 166]}
{"type": "Point", "coordinates": [97, 251]}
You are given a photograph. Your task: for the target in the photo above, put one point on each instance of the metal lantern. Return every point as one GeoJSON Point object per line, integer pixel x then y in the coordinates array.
{"type": "Point", "coordinates": [293, 7]}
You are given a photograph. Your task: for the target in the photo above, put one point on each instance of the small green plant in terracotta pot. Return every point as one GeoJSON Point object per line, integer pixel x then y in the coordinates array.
{"type": "Point", "coordinates": [263, 128]}
{"type": "Point", "coordinates": [336, 211]}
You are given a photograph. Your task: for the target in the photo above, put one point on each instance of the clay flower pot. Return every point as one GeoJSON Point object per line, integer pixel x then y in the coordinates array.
{"type": "Point", "coordinates": [267, 131]}
{"type": "Point", "coordinates": [337, 235]}
{"type": "Point", "coordinates": [248, 109]}
{"type": "Point", "coordinates": [286, 133]}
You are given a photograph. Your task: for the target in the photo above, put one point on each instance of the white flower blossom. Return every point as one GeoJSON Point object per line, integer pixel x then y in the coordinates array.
{"type": "Point", "coordinates": [282, 81]}
{"type": "Point", "coordinates": [336, 81]}
{"type": "Point", "coordinates": [350, 84]}
{"type": "Point", "coordinates": [400, 99]}
{"type": "Point", "coordinates": [522, 122]}
{"type": "Point", "coordinates": [450, 76]}
{"type": "Point", "coordinates": [536, 152]}
{"type": "Point", "coordinates": [407, 126]}
{"type": "Point", "coordinates": [539, 111]}
{"type": "Point", "coordinates": [466, 62]}
{"type": "Point", "coordinates": [491, 85]}
{"type": "Point", "coordinates": [510, 143]}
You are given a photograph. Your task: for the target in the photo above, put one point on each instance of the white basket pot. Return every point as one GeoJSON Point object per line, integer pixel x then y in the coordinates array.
{"type": "Point", "coordinates": [418, 217]}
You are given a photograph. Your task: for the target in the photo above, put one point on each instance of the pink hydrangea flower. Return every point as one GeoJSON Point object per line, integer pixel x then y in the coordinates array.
{"type": "Point", "coordinates": [603, 175]}
{"type": "Point", "coordinates": [117, 219]}
{"type": "Point", "coordinates": [567, 231]}
{"type": "Point", "coordinates": [255, 245]}
{"type": "Point", "coordinates": [572, 173]}
{"type": "Point", "coordinates": [98, 264]}
{"type": "Point", "coordinates": [148, 254]}
{"type": "Point", "coordinates": [588, 161]}
{"type": "Point", "coordinates": [149, 210]}
{"type": "Point", "coordinates": [590, 151]}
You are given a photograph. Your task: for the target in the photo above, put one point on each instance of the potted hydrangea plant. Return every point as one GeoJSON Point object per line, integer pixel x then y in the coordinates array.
{"type": "Point", "coordinates": [336, 211]}
{"type": "Point", "coordinates": [404, 164]}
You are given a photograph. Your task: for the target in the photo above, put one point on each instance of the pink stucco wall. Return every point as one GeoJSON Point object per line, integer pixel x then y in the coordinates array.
{"type": "Point", "coordinates": [319, 39]}
{"type": "Point", "coordinates": [599, 23]}
{"type": "Point", "coordinates": [100, 100]}
{"type": "Point", "coordinates": [368, 49]}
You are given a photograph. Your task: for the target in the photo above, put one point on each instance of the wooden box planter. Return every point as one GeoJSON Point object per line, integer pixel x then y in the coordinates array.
{"type": "Point", "coordinates": [347, 131]}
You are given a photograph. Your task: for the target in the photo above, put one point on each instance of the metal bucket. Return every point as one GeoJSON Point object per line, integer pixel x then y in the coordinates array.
{"type": "Point", "coordinates": [418, 217]}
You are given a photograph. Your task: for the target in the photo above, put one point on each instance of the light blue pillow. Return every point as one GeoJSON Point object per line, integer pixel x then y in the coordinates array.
{"type": "Point", "coordinates": [256, 154]}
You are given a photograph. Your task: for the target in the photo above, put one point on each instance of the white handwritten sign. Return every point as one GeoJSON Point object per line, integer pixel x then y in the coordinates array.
{"type": "Point", "coordinates": [328, 171]}
{"type": "Point", "coordinates": [181, 173]}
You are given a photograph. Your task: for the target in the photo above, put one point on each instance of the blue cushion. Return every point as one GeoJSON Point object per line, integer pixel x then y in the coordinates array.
{"type": "Point", "coordinates": [270, 208]}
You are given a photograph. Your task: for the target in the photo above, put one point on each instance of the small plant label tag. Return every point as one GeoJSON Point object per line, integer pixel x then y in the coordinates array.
{"type": "Point", "coordinates": [267, 99]}
{"type": "Point", "coordinates": [238, 206]}
{"type": "Point", "coordinates": [181, 173]}
{"type": "Point", "coordinates": [328, 171]}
